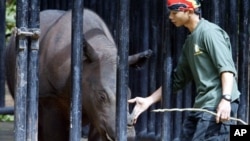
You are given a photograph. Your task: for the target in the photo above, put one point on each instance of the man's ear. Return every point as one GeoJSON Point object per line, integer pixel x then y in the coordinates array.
{"type": "Point", "coordinates": [190, 11]}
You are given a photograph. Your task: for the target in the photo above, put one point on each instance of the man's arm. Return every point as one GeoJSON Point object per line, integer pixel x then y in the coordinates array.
{"type": "Point", "coordinates": [227, 79]}
{"type": "Point", "coordinates": [224, 107]}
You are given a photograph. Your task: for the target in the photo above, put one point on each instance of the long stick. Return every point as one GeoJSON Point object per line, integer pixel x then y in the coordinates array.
{"type": "Point", "coordinates": [196, 109]}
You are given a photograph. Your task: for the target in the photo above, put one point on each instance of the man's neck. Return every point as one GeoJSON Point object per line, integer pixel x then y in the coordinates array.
{"type": "Point", "coordinates": [193, 22]}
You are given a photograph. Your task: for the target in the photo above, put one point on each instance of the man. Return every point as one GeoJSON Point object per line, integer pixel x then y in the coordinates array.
{"type": "Point", "coordinates": [207, 60]}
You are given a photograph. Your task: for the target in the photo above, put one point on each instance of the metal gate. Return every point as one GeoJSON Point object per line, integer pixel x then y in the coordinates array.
{"type": "Point", "coordinates": [148, 28]}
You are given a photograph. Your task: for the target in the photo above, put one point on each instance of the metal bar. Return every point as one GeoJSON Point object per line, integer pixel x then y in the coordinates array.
{"type": "Point", "coordinates": [232, 29]}
{"type": "Point", "coordinates": [243, 60]}
{"type": "Point", "coordinates": [144, 30]}
{"type": "Point", "coordinates": [33, 86]}
{"type": "Point", "coordinates": [93, 5]}
{"type": "Point", "coordinates": [206, 9]}
{"type": "Point", "coordinates": [223, 13]}
{"type": "Point", "coordinates": [34, 33]}
{"type": "Point", "coordinates": [167, 79]}
{"type": "Point", "coordinates": [7, 111]}
{"type": "Point", "coordinates": [76, 70]}
{"type": "Point", "coordinates": [154, 29]}
{"type": "Point", "coordinates": [135, 75]}
{"type": "Point", "coordinates": [63, 5]}
{"type": "Point", "coordinates": [44, 5]}
{"type": "Point", "coordinates": [215, 11]}
{"type": "Point", "coordinates": [2, 48]}
{"type": "Point", "coordinates": [122, 70]}
{"type": "Point", "coordinates": [100, 8]}
{"type": "Point", "coordinates": [21, 73]}
{"type": "Point", "coordinates": [113, 19]}
{"type": "Point", "coordinates": [57, 4]}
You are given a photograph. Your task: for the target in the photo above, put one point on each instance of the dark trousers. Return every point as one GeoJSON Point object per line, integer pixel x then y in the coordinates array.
{"type": "Point", "coordinates": [202, 126]}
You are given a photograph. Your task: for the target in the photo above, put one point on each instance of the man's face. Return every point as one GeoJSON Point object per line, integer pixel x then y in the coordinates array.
{"type": "Point", "coordinates": [179, 18]}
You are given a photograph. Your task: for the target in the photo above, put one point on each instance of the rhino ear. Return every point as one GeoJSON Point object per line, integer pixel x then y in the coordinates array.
{"type": "Point", "coordinates": [89, 53]}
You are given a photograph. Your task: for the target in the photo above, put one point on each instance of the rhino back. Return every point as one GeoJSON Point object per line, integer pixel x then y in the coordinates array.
{"type": "Point", "coordinates": [47, 19]}
{"type": "Point", "coordinates": [55, 54]}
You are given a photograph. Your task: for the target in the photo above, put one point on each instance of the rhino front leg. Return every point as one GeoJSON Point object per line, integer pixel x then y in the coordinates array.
{"type": "Point", "coordinates": [53, 124]}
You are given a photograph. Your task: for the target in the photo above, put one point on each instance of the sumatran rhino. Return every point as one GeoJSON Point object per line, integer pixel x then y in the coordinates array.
{"type": "Point", "coordinates": [98, 77]}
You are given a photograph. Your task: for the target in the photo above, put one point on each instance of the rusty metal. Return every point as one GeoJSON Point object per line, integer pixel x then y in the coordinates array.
{"type": "Point", "coordinates": [34, 33]}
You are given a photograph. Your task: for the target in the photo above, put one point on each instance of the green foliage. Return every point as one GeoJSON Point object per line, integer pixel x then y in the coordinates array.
{"type": "Point", "coordinates": [10, 16]}
{"type": "Point", "coordinates": [6, 118]}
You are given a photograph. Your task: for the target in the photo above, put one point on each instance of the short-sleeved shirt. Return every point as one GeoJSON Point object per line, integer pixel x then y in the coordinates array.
{"type": "Point", "coordinates": [206, 53]}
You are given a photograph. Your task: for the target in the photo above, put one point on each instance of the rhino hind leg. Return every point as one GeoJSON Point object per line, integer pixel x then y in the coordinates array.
{"type": "Point", "coordinates": [52, 124]}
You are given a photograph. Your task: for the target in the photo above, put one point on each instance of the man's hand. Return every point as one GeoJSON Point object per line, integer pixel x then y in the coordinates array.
{"type": "Point", "coordinates": [223, 111]}
{"type": "Point", "coordinates": [141, 105]}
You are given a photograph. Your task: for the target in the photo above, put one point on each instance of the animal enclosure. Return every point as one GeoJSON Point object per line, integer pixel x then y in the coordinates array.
{"type": "Point", "coordinates": [148, 27]}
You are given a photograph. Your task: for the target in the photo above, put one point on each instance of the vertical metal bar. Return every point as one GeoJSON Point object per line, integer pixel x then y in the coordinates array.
{"type": "Point", "coordinates": [232, 29]}
{"type": "Point", "coordinates": [206, 9]}
{"type": "Point", "coordinates": [122, 70]}
{"type": "Point", "coordinates": [179, 38]}
{"type": "Point", "coordinates": [44, 5]}
{"type": "Point", "coordinates": [63, 5]}
{"type": "Point", "coordinates": [93, 5]}
{"type": "Point", "coordinates": [51, 4]}
{"type": "Point", "coordinates": [167, 79]}
{"type": "Point", "coordinates": [143, 44]}
{"type": "Point", "coordinates": [21, 73]}
{"type": "Point", "coordinates": [161, 35]}
{"type": "Point", "coordinates": [33, 89]}
{"type": "Point", "coordinates": [100, 8]}
{"type": "Point", "coordinates": [243, 59]}
{"type": "Point", "coordinates": [2, 48]}
{"type": "Point", "coordinates": [223, 13]}
{"type": "Point", "coordinates": [57, 4]}
{"type": "Point", "coordinates": [107, 7]}
{"type": "Point", "coordinates": [113, 19]}
{"type": "Point", "coordinates": [154, 29]}
{"type": "Point", "coordinates": [215, 11]}
{"type": "Point", "coordinates": [76, 70]}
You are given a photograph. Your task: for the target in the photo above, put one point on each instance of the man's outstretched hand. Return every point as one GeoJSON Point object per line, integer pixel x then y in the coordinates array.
{"type": "Point", "coordinates": [141, 105]}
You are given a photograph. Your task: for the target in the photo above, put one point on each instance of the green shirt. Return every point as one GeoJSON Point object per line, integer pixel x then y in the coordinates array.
{"type": "Point", "coordinates": [206, 53]}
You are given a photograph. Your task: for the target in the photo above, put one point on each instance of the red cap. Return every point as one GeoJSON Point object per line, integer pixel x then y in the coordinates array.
{"type": "Point", "coordinates": [182, 5]}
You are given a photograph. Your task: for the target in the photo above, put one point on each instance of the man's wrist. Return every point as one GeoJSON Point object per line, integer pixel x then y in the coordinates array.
{"type": "Point", "coordinates": [227, 97]}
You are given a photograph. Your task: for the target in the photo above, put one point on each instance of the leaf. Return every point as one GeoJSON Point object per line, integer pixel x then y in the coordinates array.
{"type": "Point", "coordinates": [6, 118]}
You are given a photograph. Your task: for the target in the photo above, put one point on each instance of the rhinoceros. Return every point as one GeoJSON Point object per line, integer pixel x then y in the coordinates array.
{"type": "Point", "coordinates": [98, 76]}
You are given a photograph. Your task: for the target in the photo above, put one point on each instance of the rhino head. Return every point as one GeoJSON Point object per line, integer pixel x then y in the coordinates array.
{"type": "Point", "coordinates": [99, 85]}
